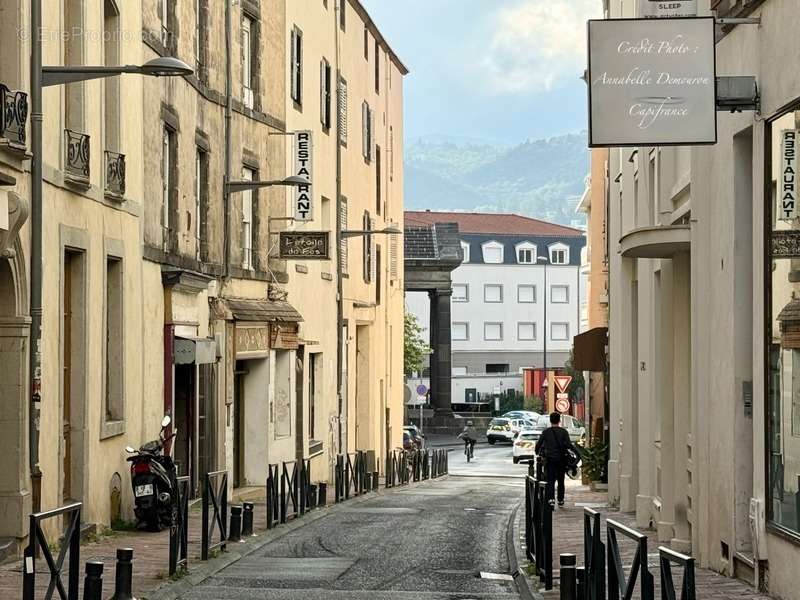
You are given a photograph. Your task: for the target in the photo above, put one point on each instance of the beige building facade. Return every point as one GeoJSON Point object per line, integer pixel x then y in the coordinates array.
{"type": "Point", "coordinates": [703, 252]}
{"type": "Point", "coordinates": [163, 294]}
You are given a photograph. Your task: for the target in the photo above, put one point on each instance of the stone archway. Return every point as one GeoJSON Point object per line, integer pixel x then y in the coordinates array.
{"type": "Point", "coordinates": [15, 500]}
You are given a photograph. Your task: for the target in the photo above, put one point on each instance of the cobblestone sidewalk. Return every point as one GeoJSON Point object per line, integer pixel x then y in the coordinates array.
{"type": "Point", "coordinates": [568, 538]}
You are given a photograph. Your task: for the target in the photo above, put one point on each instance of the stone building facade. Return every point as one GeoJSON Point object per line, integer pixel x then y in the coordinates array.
{"type": "Point", "coordinates": [703, 291]}
{"type": "Point", "coordinates": [163, 288]}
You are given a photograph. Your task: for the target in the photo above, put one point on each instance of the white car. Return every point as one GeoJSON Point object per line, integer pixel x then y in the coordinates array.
{"type": "Point", "coordinates": [502, 429]}
{"type": "Point", "coordinates": [525, 446]}
{"type": "Point", "coordinates": [574, 427]}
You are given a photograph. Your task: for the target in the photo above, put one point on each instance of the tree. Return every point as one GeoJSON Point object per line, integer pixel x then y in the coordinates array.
{"type": "Point", "coordinates": [415, 349]}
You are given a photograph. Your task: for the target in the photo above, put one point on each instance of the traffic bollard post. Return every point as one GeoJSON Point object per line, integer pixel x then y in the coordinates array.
{"type": "Point", "coordinates": [123, 583]}
{"type": "Point", "coordinates": [235, 534]}
{"type": "Point", "coordinates": [247, 519]}
{"type": "Point", "coordinates": [569, 584]}
{"type": "Point", "coordinates": [580, 576]}
{"type": "Point", "coordinates": [322, 491]}
{"type": "Point", "coordinates": [93, 582]}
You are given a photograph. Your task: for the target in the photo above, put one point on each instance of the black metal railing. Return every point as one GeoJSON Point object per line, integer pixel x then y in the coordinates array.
{"type": "Point", "coordinates": [77, 159]}
{"type": "Point", "coordinates": [304, 485]}
{"type": "Point", "coordinates": [539, 530]}
{"type": "Point", "coordinates": [115, 173]}
{"type": "Point", "coordinates": [594, 553]}
{"type": "Point", "coordinates": [355, 468]}
{"type": "Point", "coordinates": [620, 584]}
{"type": "Point", "coordinates": [666, 559]}
{"type": "Point", "coordinates": [179, 531]}
{"type": "Point", "coordinates": [273, 497]}
{"type": "Point", "coordinates": [38, 545]}
{"type": "Point", "coordinates": [13, 115]}
{"type": "Point", "coordinates": [290, 502]}
{"type": "Point", "coordinates": [339, 474]}
{"type": "Point", "coordinates": [215, 505]}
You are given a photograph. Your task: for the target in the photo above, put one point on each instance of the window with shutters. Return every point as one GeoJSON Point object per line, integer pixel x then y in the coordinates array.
{"type": "Point", "coordinates": [367, 258]}
{"type": "Point", "coordinates": [343, 14]}
{"type": "Point", "coordinates": [201, 38]}
{"type": "Point", "coordinates": [559, 332]}
{"type": "Point", "coordinates": [366, 43]}
{"type": "Point", "coordinates": [248, 71]}
{"type": "Point", "coordinates": [341, 216]}
{"type": "Point", "coordinates": [377, 67]}
{"type": "Point", "coordinates": [394, 248]}
{"type": "Point", "coordinates": [296, 66]}
{"type": "Point", "coordinates": [166, 15]}
{"type": "Point", "coordinates": [342, 111]}
{"type": "Point", "coordinates": [201, 205]}
{"type": "Point", "coordinates": [247, 221]}
{"type": "Point", "coordinates": [559, 294]}
{"type": "Point", "coordinates": [391, 153]}
{"type": "Point", "coordinates": [378, 199]}
{"type": "Point", "coordinates": [378, 276]}
{"type": "Point", "coordinates": [325, 94]}
{"type": "Point", "coordinates": [367, 126]}
{"type": "Point", "coordinates": [169, 193]}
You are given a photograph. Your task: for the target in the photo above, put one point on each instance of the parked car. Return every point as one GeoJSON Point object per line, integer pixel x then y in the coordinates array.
{"type": "Point", "coordinates": [524, 446]}
{"type": "Point", "coordinates": [502, 429]}
{"type": "Point", "coordinates": [416, 436]}
{"type": "Point", "coordinates": [522, 414]}
{"type": "Point", "coordinates": [575, 428]}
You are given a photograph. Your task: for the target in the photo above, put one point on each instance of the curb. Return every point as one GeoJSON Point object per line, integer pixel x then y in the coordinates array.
{"type": "Point", "coordinates": [513, 551]}
{"type": "Point", "coordinates": [172, 590]}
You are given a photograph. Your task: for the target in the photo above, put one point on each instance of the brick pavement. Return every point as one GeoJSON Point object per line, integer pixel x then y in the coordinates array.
{"type": "Point", "coordinates": [151, 558]}
{"type": "Point", "coordinates": [568, 538]}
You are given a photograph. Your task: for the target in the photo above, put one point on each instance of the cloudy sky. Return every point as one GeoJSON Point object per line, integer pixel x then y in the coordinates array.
{"type": "Point", "coordinates": [501, 70]}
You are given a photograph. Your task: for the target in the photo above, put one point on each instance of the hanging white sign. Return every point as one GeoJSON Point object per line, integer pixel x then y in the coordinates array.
{"type": "Point", "coordinates": [654, 9]}
{"type": "Point", "coordinates": [303, 163]}
{"type": "Point", "coordinates": [787, 189]}
{"type": "Point", "coordinates": [652, 82]}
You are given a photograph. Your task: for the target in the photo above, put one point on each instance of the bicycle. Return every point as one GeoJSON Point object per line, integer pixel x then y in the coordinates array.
{"type": "Point", "coordinates": [469, 449]}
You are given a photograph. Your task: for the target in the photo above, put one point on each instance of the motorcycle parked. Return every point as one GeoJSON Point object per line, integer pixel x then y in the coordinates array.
{"type": "Point", "coordinates": [154, 482]}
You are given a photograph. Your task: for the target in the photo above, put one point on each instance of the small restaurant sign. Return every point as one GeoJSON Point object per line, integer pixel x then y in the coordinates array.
{"type": "Point", "coordinates": [652, 82]}
{"type": "Point", "coordinates": [655, 9]}
{"type": "Point", "coordinates": [787, 190]}
{"type": "Point", "coordinates": [304, 245]}
{"type": "Point", "coordinates": [303, 163]}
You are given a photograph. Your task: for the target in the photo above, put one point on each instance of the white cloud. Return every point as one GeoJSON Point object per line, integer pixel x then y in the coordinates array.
{"type": "Point", "coordinates": [538, 43]}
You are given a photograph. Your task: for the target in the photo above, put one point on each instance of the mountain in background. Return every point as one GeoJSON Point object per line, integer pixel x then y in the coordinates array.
{"type": "Point", "coordinates": [542, 179]}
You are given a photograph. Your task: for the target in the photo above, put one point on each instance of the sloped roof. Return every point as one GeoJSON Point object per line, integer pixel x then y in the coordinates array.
{"type": "Point", "coordinates": [244, 309]}
{"type": "Point", "coordinates": [492, 223]}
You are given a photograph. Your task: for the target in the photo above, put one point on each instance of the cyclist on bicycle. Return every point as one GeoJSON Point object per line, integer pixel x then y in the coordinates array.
{"type": "Point", "coordinates": [470, 436]}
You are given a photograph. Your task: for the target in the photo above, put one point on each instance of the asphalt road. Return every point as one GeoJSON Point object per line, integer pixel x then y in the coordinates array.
{"type": "Point", "coordinates": [428, 541]}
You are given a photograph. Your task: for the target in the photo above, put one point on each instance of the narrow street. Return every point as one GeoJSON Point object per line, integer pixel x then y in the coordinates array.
{"type": "Point", "coordinates": [429, 541]}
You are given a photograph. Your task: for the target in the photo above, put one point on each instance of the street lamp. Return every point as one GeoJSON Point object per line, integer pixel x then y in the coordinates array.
{"type": "Point", "coordinates": [42, 77]}
{"type": "Point", "coordinates": [543, 260]}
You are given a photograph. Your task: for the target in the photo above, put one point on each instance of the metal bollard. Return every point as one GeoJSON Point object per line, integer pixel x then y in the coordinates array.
{"type": "Point", "coordinates": [322, 490]}
{"type": "Point", "coordinates": [93, 582]}
{"type": "Point", "coordinates": [581, 577]}
{"type": "Point", "coordinates": [247, 519]}
{"type": "Point", "coordinates": [376, 480]}
{"type": "Point", "coordinates": [123, 583]}
{"type": "Point", "coordinates": [569, 585]}
{"type": "Point", "coordinates": [312, 496]}
{"type": "Point", "coordinates": [367, 484]}
{"type": "Point", "coordinates": [235, 534]}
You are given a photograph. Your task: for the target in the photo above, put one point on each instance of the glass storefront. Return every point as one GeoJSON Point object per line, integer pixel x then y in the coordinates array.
{"type": "Point", "coordinates": [783, 304]}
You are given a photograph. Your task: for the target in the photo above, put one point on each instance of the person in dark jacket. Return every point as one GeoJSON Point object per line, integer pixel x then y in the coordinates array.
{"type": "Point", "coordinates": [552, 447]}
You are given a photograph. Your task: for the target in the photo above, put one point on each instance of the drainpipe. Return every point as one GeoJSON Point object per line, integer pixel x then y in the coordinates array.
{"type": "Point", "coordinates": [35, 368]}
{"type": "Point", "coordinates": [339, 287]}
{"type": "Point", "coordinates": [228, 113]}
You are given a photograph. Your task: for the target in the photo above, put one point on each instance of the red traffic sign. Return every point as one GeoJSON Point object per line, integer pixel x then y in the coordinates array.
{"type": "Point", "coordinates": [562, 405]}
{"type": "Point", "coordinates": [562, 382]}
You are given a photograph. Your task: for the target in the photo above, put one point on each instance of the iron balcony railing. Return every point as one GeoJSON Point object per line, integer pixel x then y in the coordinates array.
{"type": "Point", "coordinates": [77, 163]}
{"type": "Point", "coordinates": [115, 173]}
{"type": "Point", "coordinates": [13, 116]}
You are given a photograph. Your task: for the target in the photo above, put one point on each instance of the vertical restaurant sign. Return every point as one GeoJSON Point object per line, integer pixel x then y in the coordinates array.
{"type": "Point", "coordinates": [654, 9]}
{"type": "Point", "coordinates": [787, 191]}
{"type": "Point", "coordinates": [652, 82]}
{"type": "Point", "coordinates": [303, 165]}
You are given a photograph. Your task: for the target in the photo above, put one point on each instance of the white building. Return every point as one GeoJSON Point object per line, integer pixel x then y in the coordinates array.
{"type": "Point", "coordinates": [500, 298]}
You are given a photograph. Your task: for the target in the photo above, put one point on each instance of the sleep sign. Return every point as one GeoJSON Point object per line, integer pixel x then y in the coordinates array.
{"type": "Point", "coordinates": [656, 9]}
{"type": "Point", "coordinates": [652, 82]}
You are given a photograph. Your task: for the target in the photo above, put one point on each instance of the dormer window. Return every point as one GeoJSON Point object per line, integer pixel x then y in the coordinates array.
{"type": "Point", "coordinates": [526, 253]}
{"type": "Point", "coordinates": [465, 251]}
{"type": "Point", "coordinates": [559, 254]}
{"type": "Point", "coordinates": [492, 253]}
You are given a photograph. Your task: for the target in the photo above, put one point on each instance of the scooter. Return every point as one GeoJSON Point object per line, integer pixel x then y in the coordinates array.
{"type": "Point", "coordinates": [154, 481]}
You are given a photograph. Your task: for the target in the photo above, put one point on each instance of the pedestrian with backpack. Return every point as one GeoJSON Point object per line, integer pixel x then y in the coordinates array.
{"type": "Point", "coordinates": [556, 450]}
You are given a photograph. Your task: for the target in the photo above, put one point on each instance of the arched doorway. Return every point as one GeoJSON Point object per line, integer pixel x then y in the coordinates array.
{"type": "Point", "coordinates": [15, 501]}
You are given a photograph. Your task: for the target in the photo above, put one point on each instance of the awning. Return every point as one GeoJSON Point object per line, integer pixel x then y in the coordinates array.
{"type": "Point", "coordinates": [199, 351]}
{"type": "Point", "coordinates": [263, 311]}
{"type": "Point", "coordinates": [589, 350]}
